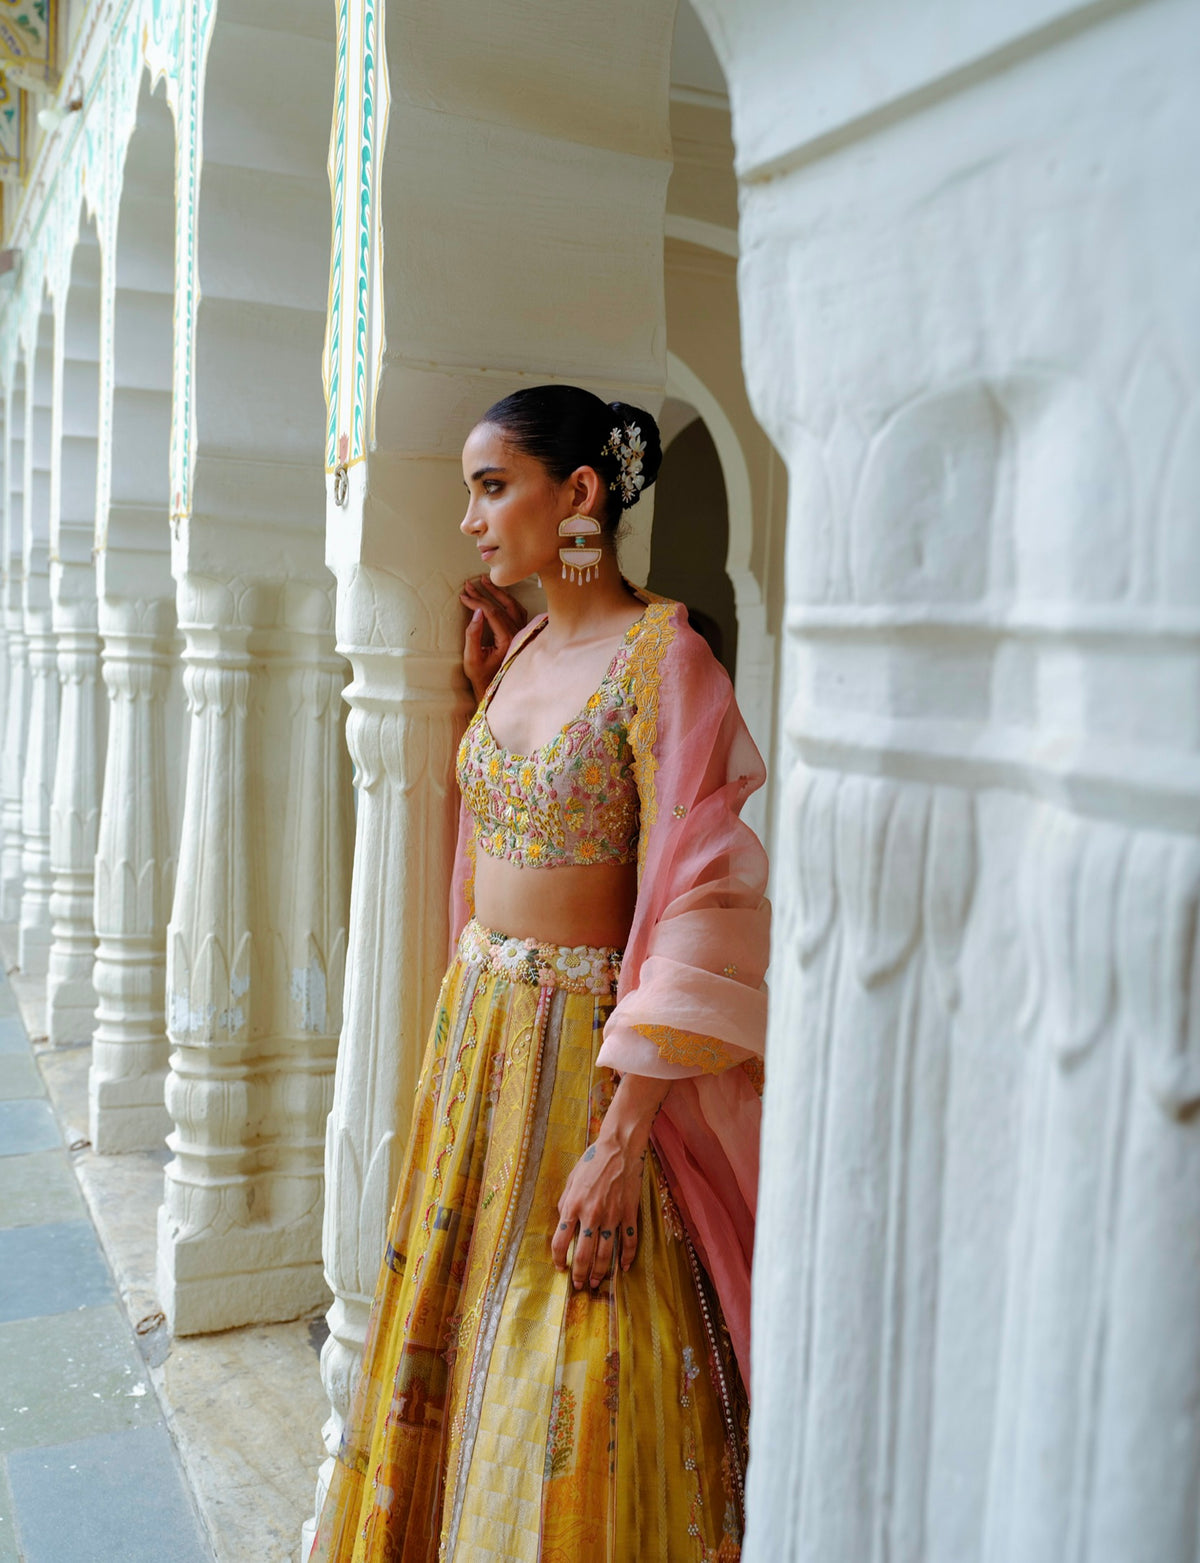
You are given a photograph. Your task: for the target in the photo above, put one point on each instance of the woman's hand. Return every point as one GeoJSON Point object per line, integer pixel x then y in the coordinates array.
{"type": "Point", "coordinates": [502, 615]}
{"type": "Point", "coordinates": [605, 1185]}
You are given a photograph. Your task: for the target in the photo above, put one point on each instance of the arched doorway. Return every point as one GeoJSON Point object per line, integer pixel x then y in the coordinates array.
{"type": "Point", "coordinates": [690, 542]}
{"type": "Point", "coordinates": [720, 500]}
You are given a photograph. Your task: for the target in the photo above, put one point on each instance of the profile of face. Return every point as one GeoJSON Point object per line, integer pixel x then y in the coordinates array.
{"type": "Point", "coordinates": [515, 505]}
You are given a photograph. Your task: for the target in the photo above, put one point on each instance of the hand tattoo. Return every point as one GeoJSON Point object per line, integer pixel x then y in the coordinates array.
{"type": "Point", "coordinates": [562, 1226]}
{"type": "Point", "coordinates": [589, 1153]}
{"type": "Point", "coordinates": [587, 1231]}
{"type": "Point", "coordinates": [628, 1231]}
{"type": "Point", "coordinates": [606, 1235]}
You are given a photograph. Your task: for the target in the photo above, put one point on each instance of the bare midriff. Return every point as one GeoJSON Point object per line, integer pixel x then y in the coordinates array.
{"type": "Point", "coordinates": [569, 904]}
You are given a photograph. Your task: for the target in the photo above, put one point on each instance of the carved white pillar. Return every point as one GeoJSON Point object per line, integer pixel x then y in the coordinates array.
{"type": "Point", "coordinates": [5, 675]}
{"type": "Point", "coordinates": [406, 713]}
{"type": "Point", "coordinates": [16, 705]}
{"type": "Point", "coordinates": [311, 911]}
{"type": "Point", "coordinates": [75, 819]}
{"type": "Point", "coordinates": [16, 729]}
{"type": "Point", "coordinates": [38, 780]}
{"type": "Point", "coordinates": [214, 970]}
{"type": "Point", "coordinates": [970, 325]}
{"type": "Point", "coordinates": [135, 872]}
{"type": "Point", "coordinates": [256, 950]}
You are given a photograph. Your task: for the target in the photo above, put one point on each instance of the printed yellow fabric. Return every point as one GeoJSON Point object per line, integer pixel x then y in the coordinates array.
{"type": "Point", "coordinates": [499, 1414]}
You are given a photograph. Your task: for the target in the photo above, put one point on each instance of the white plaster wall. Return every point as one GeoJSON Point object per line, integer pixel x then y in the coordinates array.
{"type": "Point", "coordinates": [971, 324]}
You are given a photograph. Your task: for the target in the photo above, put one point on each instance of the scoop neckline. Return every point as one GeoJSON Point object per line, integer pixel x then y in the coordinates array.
{"type": "Point", "coordinates": [629, 636]}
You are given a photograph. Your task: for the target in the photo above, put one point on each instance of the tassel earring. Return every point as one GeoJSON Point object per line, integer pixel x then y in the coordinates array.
{"type": "Point", "coordinates": [579, 561]}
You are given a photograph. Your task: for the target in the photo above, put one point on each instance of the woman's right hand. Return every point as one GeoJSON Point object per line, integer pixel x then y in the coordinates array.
{"type": "Point", "coordinates": [501, 615]}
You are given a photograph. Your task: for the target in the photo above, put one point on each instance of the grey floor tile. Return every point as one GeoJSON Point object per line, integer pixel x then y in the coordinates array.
{"type": "Point", "coordinates": [12, 1032]}
{"type": "Point", "coordinates": [37, 1188]}
{"type": "Point", "coordinates": [19, 1076]}
{"type": "Point", "coordinates": [8, 1534]}
{"type": "Point", "coordinates": [27, 1126]}
{"type": "Point", "coordinates": [53, 1268]}
{"type": "Point", "coordinates": [70, 1376]}
{"type": "Point", "coordinates": [119, 1496]}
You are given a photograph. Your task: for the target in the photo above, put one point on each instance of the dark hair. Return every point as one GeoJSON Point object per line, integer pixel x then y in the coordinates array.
{"type": "Point", "coordinates": [565, 427]}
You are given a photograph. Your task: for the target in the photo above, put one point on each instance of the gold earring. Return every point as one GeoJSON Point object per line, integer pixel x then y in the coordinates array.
{"type": "Point", "coordinates": [579, 561]}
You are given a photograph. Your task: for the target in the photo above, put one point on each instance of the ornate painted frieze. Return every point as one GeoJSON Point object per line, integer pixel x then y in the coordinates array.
{"type": "Point", "coordinates": [14, 113]}
{"type": "Point", "coordinates": [354, 333]}
{"type": "Point", "coordinates": [29, 40]}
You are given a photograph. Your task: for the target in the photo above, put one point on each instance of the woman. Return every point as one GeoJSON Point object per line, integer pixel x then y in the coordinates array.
{"type": "Point", "coordinates": [555, 1362]}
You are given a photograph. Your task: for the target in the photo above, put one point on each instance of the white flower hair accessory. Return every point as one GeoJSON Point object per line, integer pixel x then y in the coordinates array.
{"type": "Point", "coordinates": [628, 448]}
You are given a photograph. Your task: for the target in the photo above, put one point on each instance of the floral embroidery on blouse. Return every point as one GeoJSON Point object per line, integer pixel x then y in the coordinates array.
{"type": "Point", "coordinates": [575, 799]}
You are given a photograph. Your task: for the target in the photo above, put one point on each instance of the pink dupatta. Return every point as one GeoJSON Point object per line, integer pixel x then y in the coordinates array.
{"type": "Point", "coordinates": [691, 1002]}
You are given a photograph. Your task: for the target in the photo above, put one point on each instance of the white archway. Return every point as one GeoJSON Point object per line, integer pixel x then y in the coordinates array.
{"type": "Point", "coordinates": [755, 677]}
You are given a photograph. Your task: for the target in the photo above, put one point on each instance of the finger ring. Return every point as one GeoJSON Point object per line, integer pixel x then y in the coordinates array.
{"type": "Point", "coordinates": [587, 1231]}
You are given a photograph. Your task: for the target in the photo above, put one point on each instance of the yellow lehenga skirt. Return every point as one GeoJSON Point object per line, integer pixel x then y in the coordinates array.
{"type": "Point", "coordinates": [500, 1414]}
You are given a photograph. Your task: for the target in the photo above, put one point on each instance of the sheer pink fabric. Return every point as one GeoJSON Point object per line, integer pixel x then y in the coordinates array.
{"type": "Point", "coordinates": [691, 1000]}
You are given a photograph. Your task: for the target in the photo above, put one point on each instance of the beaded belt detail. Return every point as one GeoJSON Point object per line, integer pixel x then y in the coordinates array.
{"type": "Point", "coordinates": [583, 968]}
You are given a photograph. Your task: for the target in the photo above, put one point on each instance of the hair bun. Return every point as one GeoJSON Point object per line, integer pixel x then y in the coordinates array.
{"type": "Point", "coordinates": [630, 419]}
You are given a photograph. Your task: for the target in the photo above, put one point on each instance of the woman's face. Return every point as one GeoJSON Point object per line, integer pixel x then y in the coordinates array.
{"type": "Point", "coordinates": [515, 506]}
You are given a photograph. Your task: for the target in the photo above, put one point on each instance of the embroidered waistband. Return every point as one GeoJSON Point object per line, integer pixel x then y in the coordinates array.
{"type": "Point", "coordinates": [582, 968]}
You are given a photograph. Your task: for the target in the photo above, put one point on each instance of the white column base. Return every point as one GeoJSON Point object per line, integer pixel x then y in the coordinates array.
{"type": "Point", "coordinates": [33, 949]}
{"type": "Point", "coordinates": [128, 1115]}
{"type": "Point", "coordinates": [70, 1007]}
{"type": "Point", "coordinates": [218, 1281]}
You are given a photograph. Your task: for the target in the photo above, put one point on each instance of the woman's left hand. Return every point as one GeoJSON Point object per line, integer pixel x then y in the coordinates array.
{"type": "Point", "coordinates": [600, 1201]}
{"type": "Point", "coordinates": [602, 1194]}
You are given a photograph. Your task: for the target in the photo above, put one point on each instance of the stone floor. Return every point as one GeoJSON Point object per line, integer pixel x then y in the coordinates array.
{"type": "Point", "coordinates": [88, 1469]}
{"type": "Point", "coordinates": [165, 1451]}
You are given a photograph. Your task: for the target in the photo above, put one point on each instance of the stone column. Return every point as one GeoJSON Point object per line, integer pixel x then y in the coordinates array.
{"type": "Point", "coordinates": [135, 875]}
{"type": "Point", "coordinates": [16, 704]}
{"type": "Point", "coordinates": [38, 779]}
{"type": "Point", "coordinates": [970, 322]}
{"type": "Point", "coordinates": [256, 952]}
{"type": "Point", "coordinates": [406, 714]}
{"type": "Point", "coordinates": [257, 941]}
{"type": "Point", "coordinates": [79, 766]}
{"type": "Point", "coordinates": [214, 970]}
{"type": "Point", "coordinates": [75, 818]}
{"type": "Point", "coordinates": [313, 905]}
{"type": "Point", "coordinates": [16, 729]}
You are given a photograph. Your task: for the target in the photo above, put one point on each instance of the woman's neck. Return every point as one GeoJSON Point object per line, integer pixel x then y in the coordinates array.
{"type": "Point", "coordinates": [584, 612]}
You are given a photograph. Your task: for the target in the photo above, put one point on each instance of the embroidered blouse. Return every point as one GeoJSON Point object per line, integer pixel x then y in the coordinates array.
{"type": "Point", "coordinates": [574, 800]}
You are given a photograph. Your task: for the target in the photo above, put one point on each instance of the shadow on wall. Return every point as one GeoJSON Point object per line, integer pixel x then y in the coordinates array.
{"type": "Point", "coordinates": [690, 542]}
